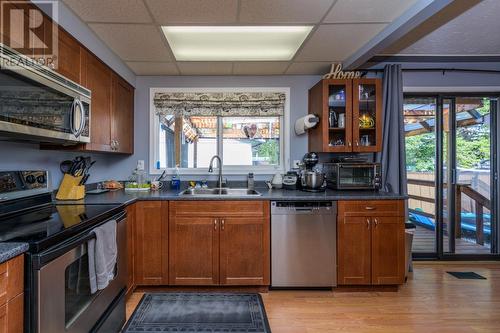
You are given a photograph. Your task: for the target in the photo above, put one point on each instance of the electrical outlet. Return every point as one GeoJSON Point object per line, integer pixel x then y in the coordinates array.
{"type": "Point", "coordinates": [140, 165]}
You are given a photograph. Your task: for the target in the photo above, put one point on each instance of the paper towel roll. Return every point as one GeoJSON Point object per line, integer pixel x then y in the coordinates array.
{"type": "Point", "coordinates": [304, 123]}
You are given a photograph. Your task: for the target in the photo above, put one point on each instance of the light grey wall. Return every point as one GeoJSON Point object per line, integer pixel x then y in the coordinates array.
{"type": "Point", "coordinates": [299, 86]}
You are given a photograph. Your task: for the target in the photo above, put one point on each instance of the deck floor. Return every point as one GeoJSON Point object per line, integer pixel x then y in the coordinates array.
{"type": "Point", "coordinates": [424, 241]}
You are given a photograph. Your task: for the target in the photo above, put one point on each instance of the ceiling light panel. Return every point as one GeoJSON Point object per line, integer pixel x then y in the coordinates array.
{"type": "Point", "coordinates": [235, 43]}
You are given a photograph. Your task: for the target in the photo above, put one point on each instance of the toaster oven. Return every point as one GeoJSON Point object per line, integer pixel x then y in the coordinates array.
{"type": "Point", "coordinates": [352, 176]}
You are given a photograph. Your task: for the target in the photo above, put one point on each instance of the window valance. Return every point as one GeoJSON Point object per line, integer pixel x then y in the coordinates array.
{"type": "Point", "coordinates": [229, 104]}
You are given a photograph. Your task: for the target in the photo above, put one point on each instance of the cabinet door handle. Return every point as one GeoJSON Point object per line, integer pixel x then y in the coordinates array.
{"type": "Point", "coordinates": [369, 208]}
{"type": "Point", "coordinates": [357, 143]}
{"type": "Point", "coordinates": [349, 143]}
{"type": "Point", "coordinates": [215, 224]}
{"type": "Point", "coordinates": [376, 222]}
{"type": "Point", "coordinates": [222, 224]}
{"type": "Point", "coordinates": [367, 223]}
{"type": "Point", "coordinates": [117, 143]}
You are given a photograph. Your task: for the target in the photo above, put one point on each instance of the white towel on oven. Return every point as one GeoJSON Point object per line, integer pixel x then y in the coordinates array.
{"type": "Point", "coordinates": [102, 252]}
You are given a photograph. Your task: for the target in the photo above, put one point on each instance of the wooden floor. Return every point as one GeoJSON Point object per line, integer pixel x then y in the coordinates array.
{"type": "Point", "coordinates": [431, 302]}
{"type": "Point", "coordinates": [424, 240]}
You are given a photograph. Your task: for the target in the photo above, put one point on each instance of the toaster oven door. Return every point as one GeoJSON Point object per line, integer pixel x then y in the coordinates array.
{"type": "Point", "coordinates": [358, 176]}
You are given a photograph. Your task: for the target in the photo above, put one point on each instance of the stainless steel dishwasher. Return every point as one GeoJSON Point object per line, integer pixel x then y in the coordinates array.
{"type": "Point", "coordinates": [303, 244]}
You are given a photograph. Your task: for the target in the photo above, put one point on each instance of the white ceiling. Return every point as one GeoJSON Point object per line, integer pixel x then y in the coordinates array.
{"type": "Point", "coordinates": [131, 28]}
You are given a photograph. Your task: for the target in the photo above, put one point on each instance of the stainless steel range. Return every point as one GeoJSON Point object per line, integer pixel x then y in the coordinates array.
{"type": "Point", "coordinates": [58, 297]}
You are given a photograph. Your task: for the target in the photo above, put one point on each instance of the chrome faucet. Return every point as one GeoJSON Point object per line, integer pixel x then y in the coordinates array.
{"type": "Point", "coordinates": [211, 169]}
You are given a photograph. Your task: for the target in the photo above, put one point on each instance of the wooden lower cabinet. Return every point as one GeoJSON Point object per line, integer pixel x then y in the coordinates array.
{"type": "Point", "coordinates": [244, 251]}
{"type": "Point", "coordinates": [151, 243]}
{"type": "Point", "coordinates": [130, 249]}
{"type": "Point", "coordinates": [370, 242]}
{"type": "Point", "coordinates": [354, 250]}
{"type": "Point", "coordinates": [12, 296]}
{"type": "Point", "coordinates": [194, 251]}
{"type": "Point", "coordinates": [219, 243]}
{"type": "Point", "coordinates": [388, 246]}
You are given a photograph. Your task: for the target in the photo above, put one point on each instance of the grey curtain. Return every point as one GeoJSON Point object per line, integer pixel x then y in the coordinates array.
{"type": "Point", "coordinates": [393, 153]}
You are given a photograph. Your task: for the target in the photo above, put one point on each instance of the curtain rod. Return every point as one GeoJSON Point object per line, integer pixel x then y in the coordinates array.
{"type": "Point", "coordinates": [443, 70]}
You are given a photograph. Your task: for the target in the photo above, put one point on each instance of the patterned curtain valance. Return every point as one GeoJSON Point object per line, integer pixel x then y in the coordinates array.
{"type": "Point", "coordinates": [220, 103]}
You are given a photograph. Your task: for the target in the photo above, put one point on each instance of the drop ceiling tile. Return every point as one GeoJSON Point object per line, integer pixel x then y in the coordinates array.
{"type": "Point", "coordinates": [125, 11]}
{"type": "Point", "coordinates": [354, 11]}
{"type": "Point", "coordinates": [133, 42]}
{"type": "Point", "coordinates": [283, 11]}
{"type": "Point", "coordinates": [337, 42]}
{"type": "Point", "coordinates": [309, 68]}
{"type": "Point", "coordinates": [153, 68]}
{"type": "Point", "coordinates": [205, 68]}
{"type": "Point", "coordinates": [193, 11]}
{"type": "Point", "coordinates": [259, 68]}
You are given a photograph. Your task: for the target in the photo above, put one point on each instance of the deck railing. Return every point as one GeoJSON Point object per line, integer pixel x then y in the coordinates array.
{"type": "Point", "coordinates": [480, 202]}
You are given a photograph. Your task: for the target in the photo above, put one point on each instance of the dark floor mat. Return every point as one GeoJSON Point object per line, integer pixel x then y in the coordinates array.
{"type": "Point", "coordinates": [467, 275]}
{"type": "Point", "coordinates": [199, 312]}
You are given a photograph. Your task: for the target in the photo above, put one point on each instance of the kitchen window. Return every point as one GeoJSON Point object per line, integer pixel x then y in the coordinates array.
{"type": "Point", "coordinates": [246, 128]}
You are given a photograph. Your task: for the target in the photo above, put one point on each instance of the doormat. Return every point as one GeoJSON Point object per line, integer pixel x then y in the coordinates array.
{"type": "Point", "coordinates": [200, 313]}
{"type": "Point", "coordinates": [467, 275]}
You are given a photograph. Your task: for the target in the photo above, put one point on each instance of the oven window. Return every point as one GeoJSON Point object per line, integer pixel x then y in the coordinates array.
{"type": "Point", "coordinates": [356, 176]}
{"type": "Point", "coordinates": [77, 289]}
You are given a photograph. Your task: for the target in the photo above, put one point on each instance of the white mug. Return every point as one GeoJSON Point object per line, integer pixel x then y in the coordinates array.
{"type": "Point", "coordinates": [341, 120]}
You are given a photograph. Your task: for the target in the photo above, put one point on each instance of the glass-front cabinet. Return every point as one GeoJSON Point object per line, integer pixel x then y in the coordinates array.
{"type": "Point", "coordinates": [350, 115]}
{"type": "Point", "coordinates": [367, 123]}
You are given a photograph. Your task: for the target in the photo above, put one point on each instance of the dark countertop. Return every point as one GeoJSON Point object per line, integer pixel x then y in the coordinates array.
{"type": "Point", "coordinates": [11, 250]}
{"type": "Point", "coordinates": [124, 197]}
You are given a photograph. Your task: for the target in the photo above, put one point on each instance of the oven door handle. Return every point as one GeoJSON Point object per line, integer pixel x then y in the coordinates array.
{"type": "Point", "coordinates": [44, 257]}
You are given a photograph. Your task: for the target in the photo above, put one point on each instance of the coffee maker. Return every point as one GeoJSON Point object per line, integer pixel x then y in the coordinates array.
{"type": "Point", "coordinates": [311, 180]}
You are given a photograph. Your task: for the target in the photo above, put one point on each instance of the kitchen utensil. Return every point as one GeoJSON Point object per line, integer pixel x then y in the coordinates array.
{"type": "Point", "coordinates": [97, 191]}
{"type": "Point", "coordinates": [156, 185]}
{"type": "Point", "coordinates": [162, 175]}
{"type": "Point", "coordinates": [312, 180]}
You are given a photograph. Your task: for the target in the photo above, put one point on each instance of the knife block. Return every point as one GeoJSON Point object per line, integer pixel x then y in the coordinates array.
{"type": "Point", "coordinates": [70, 188]}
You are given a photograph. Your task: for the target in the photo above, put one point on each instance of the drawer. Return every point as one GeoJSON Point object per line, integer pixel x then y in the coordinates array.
{"type": "Point", "coordinates": [11, 278]}
{"type": "Point", "coordinates": [371, 208]}
{"type": "Point", "coordinates": [220, 208]}
{"type": "Point", "coordinates": [3, 283]}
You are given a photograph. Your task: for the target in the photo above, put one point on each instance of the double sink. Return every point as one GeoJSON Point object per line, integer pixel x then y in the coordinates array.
{"type": "Point", "coordinates": [216, 192]}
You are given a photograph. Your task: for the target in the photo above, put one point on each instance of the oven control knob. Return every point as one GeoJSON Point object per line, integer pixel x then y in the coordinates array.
{"type": "Point", "coordinates": [41, 179]}
{"type": "Point", "coordinates": [30, 179]}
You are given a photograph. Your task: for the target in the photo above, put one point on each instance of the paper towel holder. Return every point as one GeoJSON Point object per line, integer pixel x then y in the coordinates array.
{"type": "Point", "coordinates": [304, 123]}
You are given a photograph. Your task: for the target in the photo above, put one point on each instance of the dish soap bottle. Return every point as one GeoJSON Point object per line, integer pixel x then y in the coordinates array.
{"type": "Point", "coordinates": [176, 179]}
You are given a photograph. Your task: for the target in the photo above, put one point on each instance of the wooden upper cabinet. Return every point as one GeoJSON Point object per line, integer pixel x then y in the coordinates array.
{"type": "Point", "coordinates": [244, 251]}
{"type": "Point", "coordinates": [151, 243]}
{"type": "Point", "coordinates": [99, 81]}
{"type": "Point", "coordinates": [353, 250]}
{"type": "Point", "coordinates": [70, 56]}
{"type": "Point", "coordinates": [341, 106]}
{"type": "Point", "coordinates": [367, 115]}
{"type": "Point", "coordinates": [388, 245]}
{"type": "Point", "coordinates": [370, 242]}
{"type": "Point", "coordinates": [194, 250]}
{"type": "Point", "coordinates": [122, 116]}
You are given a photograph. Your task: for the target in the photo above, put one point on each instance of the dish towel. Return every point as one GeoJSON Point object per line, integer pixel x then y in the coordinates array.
{"type": "Point", "coordinates": [102, 252]}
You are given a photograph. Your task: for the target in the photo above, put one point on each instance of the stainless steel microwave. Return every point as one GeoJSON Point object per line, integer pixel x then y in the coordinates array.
{"type": "Point", "coordinates": [352, 176]}
{"type": "Point", "coordinates": [38, 104]}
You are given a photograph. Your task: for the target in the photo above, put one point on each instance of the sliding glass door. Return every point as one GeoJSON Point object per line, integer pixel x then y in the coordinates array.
{"type": "Point", "coordinates": [451, 165]}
